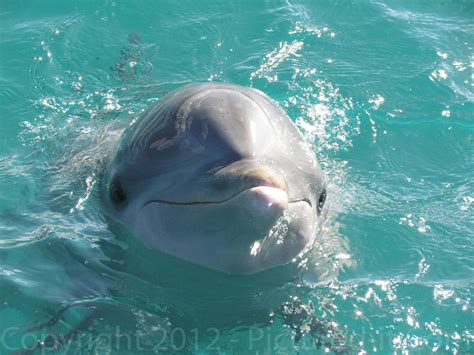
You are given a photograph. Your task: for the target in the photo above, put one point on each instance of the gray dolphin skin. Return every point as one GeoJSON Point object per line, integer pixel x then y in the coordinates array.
{"type": "Point", "coordinates": [218, 175]}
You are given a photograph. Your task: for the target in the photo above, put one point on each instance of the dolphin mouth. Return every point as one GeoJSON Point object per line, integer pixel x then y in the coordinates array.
{"type": "Point", "coordinates": [228, 199]}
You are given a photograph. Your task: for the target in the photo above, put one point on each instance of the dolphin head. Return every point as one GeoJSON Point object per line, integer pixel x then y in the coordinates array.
{"type": "Point", "coordinates": [217, 175]}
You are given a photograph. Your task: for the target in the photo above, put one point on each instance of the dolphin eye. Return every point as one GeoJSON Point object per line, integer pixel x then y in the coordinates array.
{"type": "Point", "coordinates": [117, 193]}
{"type": "Point", "coordinates": [322, 199]}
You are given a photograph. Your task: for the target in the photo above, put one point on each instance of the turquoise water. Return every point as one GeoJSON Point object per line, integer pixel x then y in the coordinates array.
{"type": "Point", "coordinates": [382, 89]}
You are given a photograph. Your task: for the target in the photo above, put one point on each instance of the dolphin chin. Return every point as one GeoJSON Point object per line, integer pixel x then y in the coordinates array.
{"type": "Point", "coordinates": [217, 175]}
{"type": "Point", "coordinates": [248, 237]}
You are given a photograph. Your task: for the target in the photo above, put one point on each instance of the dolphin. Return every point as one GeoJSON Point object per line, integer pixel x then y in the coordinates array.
{"type": "Point", "coordinates": [217, 175]}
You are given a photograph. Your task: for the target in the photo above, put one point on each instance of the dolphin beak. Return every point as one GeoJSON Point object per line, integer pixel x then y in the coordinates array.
{"type": "Point", "coordinates": [264, 202]}
{"type": "Point", "coordinates": [266, 195]}
{"type": "Point", "coordinates": [243, 175]}
{"type": "Point", "coordinates": [263, 176]}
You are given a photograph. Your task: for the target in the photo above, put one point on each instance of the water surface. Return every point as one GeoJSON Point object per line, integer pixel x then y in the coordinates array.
{"type": "Point", "coordinates": [381, 89]}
